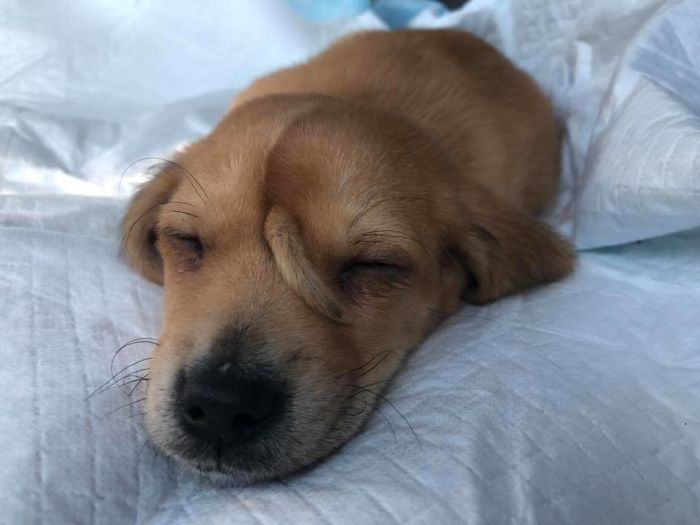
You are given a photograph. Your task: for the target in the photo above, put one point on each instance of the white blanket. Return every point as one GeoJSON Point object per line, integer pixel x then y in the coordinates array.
{"type": "Point", "coordinates": [573, 403]}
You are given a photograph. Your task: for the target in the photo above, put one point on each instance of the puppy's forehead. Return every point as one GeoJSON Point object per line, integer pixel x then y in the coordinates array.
{"type": "Point", "coordinates": [312, 155]}
{"type": "Point", "coordinates": [223, 174]}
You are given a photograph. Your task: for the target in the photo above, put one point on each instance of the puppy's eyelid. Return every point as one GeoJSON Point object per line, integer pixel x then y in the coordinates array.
{"type": "Point", "coordinates": [363, 277]}
{"type": "Point", "coordinates": [190, 241]}
{"type": "Point", "coordinates": [187, 247]}
{"type": "Point", "coordinates": [373, 264]}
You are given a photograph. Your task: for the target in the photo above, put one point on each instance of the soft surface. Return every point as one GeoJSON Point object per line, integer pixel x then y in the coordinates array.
{"type": "Point", "coordinates": [573, 403]}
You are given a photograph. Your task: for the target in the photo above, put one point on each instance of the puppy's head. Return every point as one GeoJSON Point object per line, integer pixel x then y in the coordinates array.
{"type": "Point", "coordinates": [306, 246]}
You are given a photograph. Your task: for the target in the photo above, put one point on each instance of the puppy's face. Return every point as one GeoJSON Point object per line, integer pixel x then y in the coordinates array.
{"type": "Point", "coordinates": [305, 247]}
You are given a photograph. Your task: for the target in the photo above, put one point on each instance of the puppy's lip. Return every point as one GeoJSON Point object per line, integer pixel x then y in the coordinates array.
{"type": "Point", "coordinates": [219, 476]}
{"type": "Point", "coordinates": [222, 458]}
{"type": "Point", "coordinates": [226, 474]}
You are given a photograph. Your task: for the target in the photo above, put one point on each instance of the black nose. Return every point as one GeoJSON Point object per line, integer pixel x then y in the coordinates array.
{"type": "Point", "coordinates": [219, 401]}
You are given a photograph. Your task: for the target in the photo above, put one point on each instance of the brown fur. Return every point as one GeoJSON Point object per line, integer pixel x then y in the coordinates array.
{"type": "Point", "coordinates": [424, 153]}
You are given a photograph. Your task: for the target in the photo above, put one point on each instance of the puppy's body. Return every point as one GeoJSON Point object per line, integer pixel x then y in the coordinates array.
{"type": "Point", "coordinates": [332, 219]}
{"type": "Point", "coordinates": [490, 119]}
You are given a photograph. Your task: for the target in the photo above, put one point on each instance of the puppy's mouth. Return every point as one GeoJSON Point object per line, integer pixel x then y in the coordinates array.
{"type": "Point", "coordinates": [241, 426]}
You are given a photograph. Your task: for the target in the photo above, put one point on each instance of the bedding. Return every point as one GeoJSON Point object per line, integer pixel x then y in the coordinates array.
{"type": "Point", "coordinates": [572, 403]}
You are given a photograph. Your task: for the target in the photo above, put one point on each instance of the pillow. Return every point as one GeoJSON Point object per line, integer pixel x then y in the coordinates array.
{"type": "Point", "coordinates": [642, 173]}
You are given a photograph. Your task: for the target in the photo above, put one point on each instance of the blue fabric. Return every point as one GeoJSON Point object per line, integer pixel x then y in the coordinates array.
{"type": "Point", "coordinates": [396, 13]}
{"type": "Point", "coordinates": [399, 13]}
{"type": "Point", "coordinates": [326, 11]}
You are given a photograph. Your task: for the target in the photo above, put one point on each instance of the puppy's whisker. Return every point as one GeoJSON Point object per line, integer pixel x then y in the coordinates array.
{"type": "Point", "coordinates": [124, 406]}
{"type": "Point", "coordinates": [378, 363]}
{"type": "Point", "coordinates": [435, 311]}
{"type": "Point", "coordinates": [138, 340]}
{"type": "Point", "coordinates": [446, 316]}
{"type": "Point", "coordinates": [144, 378]}
{"type": "Point", "coordinates": [115, 378]}
{"type": "Point", "coordinates": [374, 384]}
{"type": "Point", "coordinates": [121, 382]}
{"type": "Point", "coordinates": [397, 411]}
{"type": "Point", "coordinates": [388, 422]}
{"type": "Point", "coordinates": [130, 381]}
{"type": "Point", "coordinates": [196, 185]}
{"type": "Point", "coordinates": [148, 211]}
{"type": "Point", "coordinates": [359, 411]}
{"type": "Point", "coordinates": [386, 353]}
{"type": "Point", "coordinates": [125, 237]}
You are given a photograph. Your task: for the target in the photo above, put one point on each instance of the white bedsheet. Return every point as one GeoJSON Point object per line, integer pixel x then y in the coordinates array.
{"type": "Point", "coordinates": [573, 403]}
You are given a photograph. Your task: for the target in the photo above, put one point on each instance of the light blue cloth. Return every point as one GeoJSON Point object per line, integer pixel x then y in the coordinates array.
{"type": "Point", "coordinates": [395, 13]}
{"type": "Point", "coordinates": [329, 10]}
{"type": "Point", "coordinates": [399, 13]}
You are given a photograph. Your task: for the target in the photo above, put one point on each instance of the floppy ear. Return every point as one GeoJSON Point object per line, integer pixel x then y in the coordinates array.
{"type": "Point", "coordinates": [504, 250]}
{"type": "Point", "coordinates": [138, 226]}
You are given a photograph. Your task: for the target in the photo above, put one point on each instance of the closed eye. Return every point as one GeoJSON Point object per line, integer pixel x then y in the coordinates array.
{"type": "Point", "coordinates": [186, 249]}
{"type": "Point", "coordinates": [363, 277]}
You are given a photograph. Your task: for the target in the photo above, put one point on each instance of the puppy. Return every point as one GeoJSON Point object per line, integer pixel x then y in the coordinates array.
{"type": "Point", "coordinates": [338, 212]}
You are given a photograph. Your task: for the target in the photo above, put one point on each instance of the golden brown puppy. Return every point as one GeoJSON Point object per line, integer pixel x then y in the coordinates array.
{"type": "Point", "coordinates": [337, 213]}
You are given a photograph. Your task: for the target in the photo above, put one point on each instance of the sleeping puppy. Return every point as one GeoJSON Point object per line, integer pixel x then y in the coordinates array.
{"type": "Point", "coordinates": [339, 211]}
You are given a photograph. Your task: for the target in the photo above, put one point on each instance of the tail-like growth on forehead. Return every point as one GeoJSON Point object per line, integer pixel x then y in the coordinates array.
{"type": "Point", "coordinates": [283, 236]}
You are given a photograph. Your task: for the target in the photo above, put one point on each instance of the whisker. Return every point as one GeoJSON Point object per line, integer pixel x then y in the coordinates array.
{"type": "Point", "coordinates": [144, 378]}
{"type": "Point", "coordinates": [138, 340]}
{"type": "Point", "coordinates": [126, 236]}
{"type": "Point", "coordinates": [375, 383]}
{"type": "Point", "coordinates": [119, 383]}
{"type": "Point", "coordinates": [358, 413]}
{"type": "Point", "coordinates": [124, 406]}
{"type": "Point", "coordinates": [386, 356]}
{"type": "Point", "coordinates": [122, 381]}
{"type": "Point", "coordinates": [398, 412]}
{"type": "Point", "coordinates": [368, 362]}
{"type": "Point", "coordinates": [191, 178]}
{"type": "Point", "coordinates": [445, 316]}
{"type": "Point", "coordinates": [115, 377]}
{"type": "Point", "coordinates": [391, 426]}
{"type": "Point", "coordinates": [138, 378]}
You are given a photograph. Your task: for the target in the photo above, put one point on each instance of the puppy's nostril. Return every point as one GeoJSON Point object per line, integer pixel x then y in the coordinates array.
{"type": "Point", "coordinates": [194, 413]}
{"type": "Point", "coordinates": [217, 401]}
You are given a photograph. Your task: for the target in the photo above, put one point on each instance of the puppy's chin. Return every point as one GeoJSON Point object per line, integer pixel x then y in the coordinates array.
{"type": "Point", "coordinates": [290, 447]}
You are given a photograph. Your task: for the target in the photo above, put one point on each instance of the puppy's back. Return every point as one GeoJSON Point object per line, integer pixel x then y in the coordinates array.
{"type": "Point", "coordinates": [488, 116]}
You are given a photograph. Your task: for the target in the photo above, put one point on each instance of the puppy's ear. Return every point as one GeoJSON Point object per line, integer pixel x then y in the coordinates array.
{"type": "Point", "coordinates": [504, 250]}
{"type": "Point", "coordinates": [138, 226]}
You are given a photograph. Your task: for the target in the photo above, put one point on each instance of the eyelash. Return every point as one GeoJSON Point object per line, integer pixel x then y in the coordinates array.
{"type": "Point", "coordinates": [356, 277]}
{"type": "Point", "coordinates": [188, 248]}
{"type": "Point", "coordinates": [361, 277]}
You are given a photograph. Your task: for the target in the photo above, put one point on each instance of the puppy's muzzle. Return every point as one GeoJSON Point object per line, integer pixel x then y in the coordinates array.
{"type": "Point", "coordinates": [217, 401]}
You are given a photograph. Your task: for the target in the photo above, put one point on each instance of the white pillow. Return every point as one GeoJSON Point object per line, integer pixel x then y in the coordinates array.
{"type": "Point", "coordinates": [642, 173]}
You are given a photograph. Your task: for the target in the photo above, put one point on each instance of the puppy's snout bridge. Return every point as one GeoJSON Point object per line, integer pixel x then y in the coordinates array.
{"type": "Point", "coordinates": [217, 402]}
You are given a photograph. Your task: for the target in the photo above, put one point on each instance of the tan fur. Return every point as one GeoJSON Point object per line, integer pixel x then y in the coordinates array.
{"type": "Point", "coordinates": [426, 150]}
